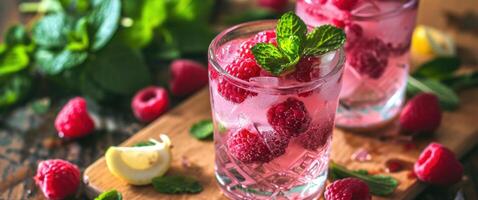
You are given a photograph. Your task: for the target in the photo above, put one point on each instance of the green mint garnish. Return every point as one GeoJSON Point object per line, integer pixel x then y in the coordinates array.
{"type": "Point", "coordinates": [144, 144]}
{"type": "Point", "coordinates": [294, 42]}
{"type": "Point", "coordinates": [176, 185]}
{"type": "Point", "coordinates": [202, 130]}
{"type": "Point", "coordinates": [379, 184]}
{"type": "Point", "coordinates": [110, 195]}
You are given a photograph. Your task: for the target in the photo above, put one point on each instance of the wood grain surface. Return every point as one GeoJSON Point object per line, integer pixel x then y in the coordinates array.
{"type": "Point", "coordinates": [196, 158]}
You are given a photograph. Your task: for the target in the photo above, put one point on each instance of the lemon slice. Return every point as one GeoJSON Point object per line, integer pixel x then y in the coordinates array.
{"type": "Point", "coordinates": [139, 165]}
{"type": "Point", "coordinates": [428, 41]}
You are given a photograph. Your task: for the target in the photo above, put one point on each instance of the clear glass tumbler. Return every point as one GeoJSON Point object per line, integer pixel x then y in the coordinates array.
{"type": "Point", "coordinates": [253, 159]}
{"type": "Point", "coordinates": [377, 51]}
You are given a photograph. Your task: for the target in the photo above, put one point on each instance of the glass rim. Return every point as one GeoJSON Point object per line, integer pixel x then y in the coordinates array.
{"type": "Point", "coordinates": [306, 86]}
{"type": "Point", "coordinates": [404, 6]}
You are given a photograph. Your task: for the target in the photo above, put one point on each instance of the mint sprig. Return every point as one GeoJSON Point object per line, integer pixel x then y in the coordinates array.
{"type": "Point", "coordinates": [379, 184]}
{"type": "Point", "coordinates": [293, 42]}
{"type": "Point", "coordinates": [202, 130]}
{"type": "Point", "coordinates": [176, 185]}
{"type": "Point", "coordinates": [110, 195]}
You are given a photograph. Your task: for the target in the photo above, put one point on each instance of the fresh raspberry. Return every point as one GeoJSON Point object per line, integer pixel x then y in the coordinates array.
{"type": "Point", "coordinates": [422, 114]}
{"type": "Point", "coordinates": [149, 103]}
{"type": "Point", "coordinates": [304, 68]}
{"type": "Point", "coordinates": [346, 5]}
{"type": "Point", "coordinates": [188, 76]}
{"type": "Point", "coordinates": [276, 5]}
{"type": "Point", "coordinates": [57, 178]}
{"type": "Point", "coordinates": [338, 23]}
{"type": "Point", "coordinates": [347, 189]}
{"type": "Point", "coordinates": [277, 142]}
{"type": "Point", "coordinates": [73, 121]}
{"type": "Point", "coordinates": [243, 69]}
{"type": "Point", "coordinates": [245, 49]}
{"type": "Point", "coordinates": [248, 147]}
{"type": "Point", "coordinates": [289, 117]}
{"type": "Point", "coordinates": [317, 136]}
{"type": "Point", "coordinates": [369, 57]}
{"type": "Point", "coordinates": [266, 37]}
{"type": "Point", "coordinates": [438, 165]}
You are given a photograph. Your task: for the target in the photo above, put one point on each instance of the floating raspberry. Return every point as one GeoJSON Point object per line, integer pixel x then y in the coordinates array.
{"type": "Point", "coordinates": [303, 69]}
{"type": "Point", "coordinates": [149, 103]}
{"type": "Point", "coordinates": [317, 136]}
{"type": "Point", "coordinates": [57, 178]}
{"type": "Point", "coordinates": [261, 37]}
{"type": "Point", "coordinates": [245, 49]}
{"type": "Point", "coordinates": [276, 5]}
{"type": "Point", "coordinates": [422, 114]}
{"type": "Point", "coordinates": [289, 117]}
{"type": "Point", "coordinates": [276, 142]}
{"type": "Point", "coordinates": [438, 165]}
{"type": "Point", "coordinates": [347, 189]}
{"type": "Point", "coordinates": [73, 121]}
{"type": "Point", "coordinates": [346, 5]}
{"type": "Point", "coordinates": [188, 76]}
{"type": "Point", "coordinates": [243, 69]}
{"type": "Point", "coordinates": [248, 147]}
{"type": "Point", "coordinates": [369, 57]}
{"type": "Point", "coordinates": [266, 37]}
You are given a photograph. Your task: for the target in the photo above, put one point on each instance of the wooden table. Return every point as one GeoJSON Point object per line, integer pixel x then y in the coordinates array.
{"type": "Point", "coordinates": [26, 138]}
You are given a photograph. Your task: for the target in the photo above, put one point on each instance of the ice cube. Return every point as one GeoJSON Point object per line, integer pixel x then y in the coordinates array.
{"type": "Point", "coordinates": [265, 81]}
{"type": "Point", "coordinates": [367, 8]}
{"type": "Point", "coordinates": [327, 58]}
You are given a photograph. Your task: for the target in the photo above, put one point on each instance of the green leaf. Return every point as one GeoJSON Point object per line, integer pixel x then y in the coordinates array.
{"type": "Point", "coordinates": [290, 46]}
{"type": "Point", "coordinates": [14, 89]}
{"type": "Point", "coordinates": [78, 40]}
{"type": "Point", "coordinates": [291, 25]}
{"type": "Point", "coordinates": [270, 58]}
{"type": "Point", "coordinates": [79, 6]}
{"type": "Point", "coordinates": [176, 185]}
{"type": "Point", "coordinates": [202, 130]}
{"type": "Point", "coordinates": [462, 81]}
{"type": "Point", "coordinates": [13, 60]}
{"type": "Point", "coordinates": [192, 10]}
{"type": "Point", "coordinates": [40, 106]}
{"type": "Point", "coordinates": [144, 144]}
{"type": "Point", "coordinates": [119, 69]}
{"type": "Point", "coordinates": [188, 43]}
{"type": "Point", "coordinates": [52, 63]}
{"type": "Point", "coordinates": [110, 195]}
{"type": "Point", "coordinates": [104, 20]}
{"type": "Point", "coordinates": [438, 68]}
{"type": "Point", "coordinates": [51, 30]}
{"type": "Point", "coordinates": [324, 39]}
{"type": "Point", "coordinates": [448, 99]}
{"type": "Point", "coordinates": [379, 185]}
{"type": "Point", "coordinates": [16, 35]}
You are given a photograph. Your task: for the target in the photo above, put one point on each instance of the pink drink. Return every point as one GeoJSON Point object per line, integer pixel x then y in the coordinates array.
{"type": "Point", "coordinates": [266, 164]}
{"type": "Point", "coordinates": [378, 39]}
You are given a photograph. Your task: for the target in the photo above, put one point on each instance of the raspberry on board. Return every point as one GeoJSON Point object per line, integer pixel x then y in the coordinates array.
{"type": "Point", "coordinates": [187, 76]}
{"type": "Point", "coordinates": [149, 103]}
{"type": "Point", "coordinates": [422, 114]}
{"type": "Point", "coordinates": [438, 165]}
{"type": "Point", "coordinates": [73, 120]}
{"type": "Point", "coordinates": [289, 117]}
{"type": "Point", "coordinates": [347, 189]}
{"type": "Point", "coordinates": [57, 178]}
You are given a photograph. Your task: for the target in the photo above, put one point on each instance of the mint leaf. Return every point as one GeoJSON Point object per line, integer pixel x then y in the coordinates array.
{"type": "Point", "coordinates": [449, 100]}
{"type": "Point", "coordinates": [379, 185]}
{"type": "Point", "coordinates": [14, 89]}
{"type": "Point", "coordinates": [16, 35]}
{"type": "Point", "coordinates": [192, 10]}
{"type": "Point", "coordinates": [438, 68]}
{"type": "Point", "coordinates": [110, 195]}
{"type": "Point", "coordinates": [202, 130]}
{"type": "Point", "coordinates": [176, 185]}
{"type": "Point", "coordinates": [104, 20]}
{"type": "Point", "coordinates": [13, 60]}
{"type": "Point", "coordinates": [291, 46]}
{"type": "Point", "coordinates": [324, 39]}
{"type": "Point", "coordinates": [52, 63]}
{"type": "Point", "coordinates": [78, 39]}
{"type": "Point", "coordinates": [144, 144]}
{"type": "Point", "coordinates": [462, 81]}
{"type": "Point", "coordinates": [291, 25]}
{"type": "Point", "coordinates": [270, 58]}
{"type": "Point", "coordinates": [51, 30]}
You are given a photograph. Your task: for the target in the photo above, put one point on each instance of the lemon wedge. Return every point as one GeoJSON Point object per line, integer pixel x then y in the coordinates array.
{"type": "Point", "coordinates": [428, 41]}
{"type": "Point", "coordinates": [139, 165]}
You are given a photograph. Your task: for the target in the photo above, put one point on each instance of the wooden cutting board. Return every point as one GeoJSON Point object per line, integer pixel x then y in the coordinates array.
{"type": "Point", "coordinates": [459, 132]}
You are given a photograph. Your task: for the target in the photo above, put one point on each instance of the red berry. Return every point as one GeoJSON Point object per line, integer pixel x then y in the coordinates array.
{"type": "Point", "coordinates": [346, 5]}
{"type": "Point", "coordinates": [266, 37]}
{"type": "Point", "coordinates": [438, 165]}
{"type": "Point", "coordinates": [245, 49]}
{"type": "Point", "coordinates": [243, 69]}
{"type": "Point", "coordinates": [317, 136]}
{"type": "Point", "coordinates": [248, 147]}
{"type": "Point", "coordinates": [368, 56]}
{"type": "Point", "coordinates": [276, 5]}
{"type": "Point", "coordinates": [188, 76]}
{"type": "Point", "coordinates": [149, 103]}
{"type": "Point", "coordinates": [73, 121]}
{"type": "Point", "coordinates": [277, 142]}
{"type": "Point", "coordinates": [422, 114]}
{"type": "Point", "coordinates": [303, 69]}
{"type": "Point", "coordinates": [338, 23]}
{"type": "Point", "coordinates": [57, 178]}
{"type": "Point", "coordinates": [347, 189]}
{"type": "Point", "coordinates": [289, 117]}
